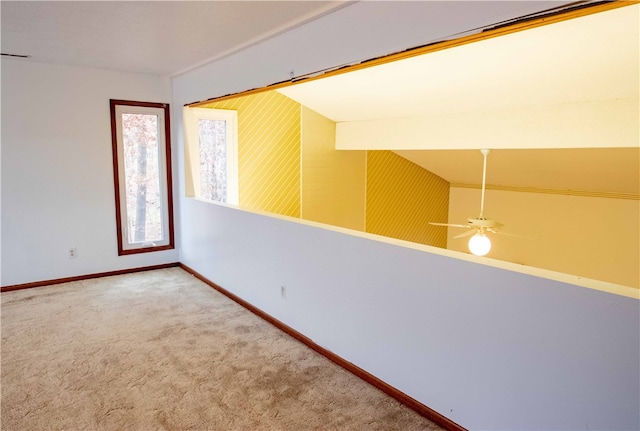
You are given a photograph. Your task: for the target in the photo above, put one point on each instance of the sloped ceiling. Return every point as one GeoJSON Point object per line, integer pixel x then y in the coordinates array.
{"type": "Point", "coordinates": [167, 38]}
{"type": "Point", "coordinates": [586, 59]}
{"type": "Point", "coordinates": [589, 59]}
{"type": "Point", "coordinates": [598, 170]}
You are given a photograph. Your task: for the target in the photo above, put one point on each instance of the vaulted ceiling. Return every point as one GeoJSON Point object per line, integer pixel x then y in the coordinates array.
{"type": "Point", "coordinates": [591, 58]}
{"type": "Point", "coordinates": [590, 61]}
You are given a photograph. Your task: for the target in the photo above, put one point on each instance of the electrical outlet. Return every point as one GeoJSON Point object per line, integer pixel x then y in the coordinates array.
{"type": "Point", "coordinates": [283, 292]}
{"type": "Point", "coordinates": [73, 253]}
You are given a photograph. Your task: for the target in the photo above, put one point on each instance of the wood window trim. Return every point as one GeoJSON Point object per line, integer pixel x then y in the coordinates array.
{"type": "Point", "coordinates": [113, 103]}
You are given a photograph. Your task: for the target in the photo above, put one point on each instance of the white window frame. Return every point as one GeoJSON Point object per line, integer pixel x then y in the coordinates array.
{"type": "Point", "coordinates": [191, 116]}
{"type": "Point", "coordinates": [161, 110]}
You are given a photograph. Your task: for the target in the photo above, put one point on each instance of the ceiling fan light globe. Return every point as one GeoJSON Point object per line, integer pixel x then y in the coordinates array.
{"type": "Point", "coordinates": [479, 244]}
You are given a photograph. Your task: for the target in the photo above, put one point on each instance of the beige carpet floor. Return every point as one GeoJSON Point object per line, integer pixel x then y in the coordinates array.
{"type": "Point", "coordinates": [160, 350]}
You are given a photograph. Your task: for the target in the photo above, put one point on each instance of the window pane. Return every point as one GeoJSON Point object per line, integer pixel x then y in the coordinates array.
{"type": "Point", "coordinates": [142, 177]}
{"type": "Point", "coordinates": [213, 159]}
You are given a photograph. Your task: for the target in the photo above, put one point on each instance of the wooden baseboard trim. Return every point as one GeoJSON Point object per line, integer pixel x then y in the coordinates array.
{"type": "Point", "coordinates": [405, 399]}
{"type": "Point", "coordinates": [85, 277]}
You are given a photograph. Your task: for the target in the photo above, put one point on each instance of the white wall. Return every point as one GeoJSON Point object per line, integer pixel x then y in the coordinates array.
{"type": "Point", "coordinates": [57, 175]}
{"type": "Point", "coordinates": [487, 347]}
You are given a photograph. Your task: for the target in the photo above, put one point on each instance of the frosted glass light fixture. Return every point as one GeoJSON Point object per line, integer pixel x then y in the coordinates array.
{"type": "Point", "coordinates": [479, 244]}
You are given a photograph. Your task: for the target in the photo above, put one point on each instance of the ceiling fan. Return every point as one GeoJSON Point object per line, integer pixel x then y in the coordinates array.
{"type": "Point", "coordinates": [479, 243]}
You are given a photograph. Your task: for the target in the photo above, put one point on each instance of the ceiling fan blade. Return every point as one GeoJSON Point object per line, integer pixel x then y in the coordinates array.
{"type": "Point", "coordinates": [513, 235]}
{"type": "Point", "coordinates": [450, 225]}
{"type": "Point", "coordinates": [462, 235]}
{"type": "Point", "coordinates": [493, 230]}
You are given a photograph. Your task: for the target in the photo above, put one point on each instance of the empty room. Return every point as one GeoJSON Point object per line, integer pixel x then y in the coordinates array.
{"type": "Point", "coordinates": [292, 215]}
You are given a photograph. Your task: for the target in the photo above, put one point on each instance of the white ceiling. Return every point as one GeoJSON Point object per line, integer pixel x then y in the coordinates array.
{"type": "Point", "coordinates": [163, 38]}
{"type": "Point", "coordinates": [586, 59]}
{"type": "Point", "coordinates": [166, 38]}
{"type": "Point", "coordinates": [593, 58]}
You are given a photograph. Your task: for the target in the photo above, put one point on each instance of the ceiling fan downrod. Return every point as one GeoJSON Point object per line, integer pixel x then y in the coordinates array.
{"type": "Point", "coordinates": [485, 152]}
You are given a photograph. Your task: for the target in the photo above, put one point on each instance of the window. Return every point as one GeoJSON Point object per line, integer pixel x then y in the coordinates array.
{"type": "Point", "coordinates": [212, 154]}
{"type": "Point", "coordinates": [140, 136]}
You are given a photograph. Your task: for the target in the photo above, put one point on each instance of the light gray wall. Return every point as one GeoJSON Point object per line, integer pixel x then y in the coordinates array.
{"type": "Point", "coordinates": [489, 348]}
{"type": "Point", "coordinates": [57, 175]}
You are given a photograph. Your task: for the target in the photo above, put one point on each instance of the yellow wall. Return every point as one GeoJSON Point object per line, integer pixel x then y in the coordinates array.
{"type": "Point", "coordinates": [592, 237]}
{"type": "Point", "coordinates": [287, 164]}
{"type": "Point", "coordinates": [402, 198]}
{"type": "Point", "coordinates": [333, 182]}
{"type": "Point", "coordinates": [268, 151]}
